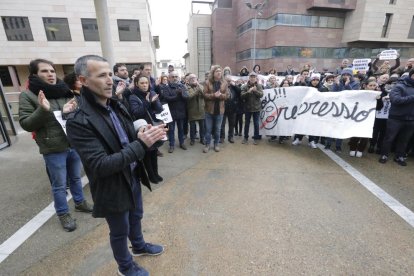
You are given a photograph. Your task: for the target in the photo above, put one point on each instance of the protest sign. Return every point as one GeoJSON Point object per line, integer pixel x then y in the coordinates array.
{"type": "Point", "coordinates": [304, 110]}
{"type": "Point", "coordinates": [361, 64]}
{"type": "Point", "coordinates": [165, 115]}
{"type": "Point", "coordinates": [59, 118]}
{"type": "Point", "coordinates": [388, 54]}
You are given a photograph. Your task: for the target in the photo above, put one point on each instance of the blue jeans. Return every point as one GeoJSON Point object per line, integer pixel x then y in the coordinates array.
{"type": "Point", "coordinates": [338, 142]}
{"type": "Point", "coordinates": [171, 132]}
{"type": "Point", "coordinates": [255, 115]}
{"type": "Point", "coordinates": [213, 121]}
{"type": "Point", "coordinates": [126, 225]}
{"type": "Point", "coordinates": [193, 129]}
{"type": "Point", "coordinates": [63, 166]}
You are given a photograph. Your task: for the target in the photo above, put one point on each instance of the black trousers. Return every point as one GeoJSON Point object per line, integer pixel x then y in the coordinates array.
{"type": "Point", "coordinates": [151, 164]}
{"type": "Point", "coordinates": [238, 125]}
{"type": "Point", "coordinates": [378, 133]}
{"type": "Point", "coordinates": [232, 121]}
{"type": "Point", "coordinates": [404, 130]}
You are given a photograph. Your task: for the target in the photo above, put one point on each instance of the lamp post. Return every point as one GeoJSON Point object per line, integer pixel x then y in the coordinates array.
{"type": "Point", "coordinates": [258, 12]}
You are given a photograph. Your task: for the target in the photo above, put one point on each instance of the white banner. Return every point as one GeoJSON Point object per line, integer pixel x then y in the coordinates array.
{"type": "Point", "coordinates": [305, 110]}
{"type": "Point", "coordinates": [165, 115]}
{"type": "Point", "coordinates": [59, 118]}
{"type": "Point", "coordinates": [383, 113]}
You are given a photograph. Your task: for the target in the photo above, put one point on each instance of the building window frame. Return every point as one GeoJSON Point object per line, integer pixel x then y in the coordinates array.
{"type": "Point", "coordinates": [57, 28]}
{"type": "Point", "coordinates": [411, 31]}
{"type": "Point", "coordinates": [125, 32]}
{"type": "Point", "coordinates": [17, 28]}
{"type": "Point", "coordinates": [386, 26]}
{"type": "Point", "coordinates": [90, 29]}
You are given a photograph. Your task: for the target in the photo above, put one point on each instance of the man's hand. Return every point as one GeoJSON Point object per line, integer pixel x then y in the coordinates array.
{"type": "Point", "coordinates": [70, 106]}
{"type": "Point", "coordinates": [217, 94]}
{"type": "Point", "coordinates": [151, 134]}
{"type": "Point", "coordinates": [43, 102]}
{"type": "Point", "coordinates": [120, 88]}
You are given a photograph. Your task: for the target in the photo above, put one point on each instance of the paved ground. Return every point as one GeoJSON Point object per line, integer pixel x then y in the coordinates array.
{"type": "Point", "coordinates": [249, 210]}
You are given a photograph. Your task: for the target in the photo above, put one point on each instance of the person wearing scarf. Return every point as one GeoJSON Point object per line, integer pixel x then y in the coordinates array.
{"type": "Point", "coordinates": [47, 94]}
{"type": "Point", "coordinates": [400, 124]}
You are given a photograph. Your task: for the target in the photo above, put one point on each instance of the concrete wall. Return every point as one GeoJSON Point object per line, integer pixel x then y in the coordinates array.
{"type": "Point", "coordinates": [366, 22]}
{"type": "Point", "coordinates": [66, 52]}
{"type": "Point", "coordinates": [196, 21]}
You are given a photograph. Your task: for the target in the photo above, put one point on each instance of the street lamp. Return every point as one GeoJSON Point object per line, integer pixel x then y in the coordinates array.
{"type": "Point", "coordinates": [258, 12]}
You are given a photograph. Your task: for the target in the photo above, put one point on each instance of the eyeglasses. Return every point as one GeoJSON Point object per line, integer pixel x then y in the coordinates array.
{"type": "Point", "coordinates": [174, 76]}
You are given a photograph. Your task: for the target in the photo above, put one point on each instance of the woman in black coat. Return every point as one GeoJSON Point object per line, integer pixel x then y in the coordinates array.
{"type": "Point", "coordinates": [144, 104]}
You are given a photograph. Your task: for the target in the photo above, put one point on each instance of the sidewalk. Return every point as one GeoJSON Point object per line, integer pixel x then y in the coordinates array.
{"type": "Point", "coordinates": [248, 210]}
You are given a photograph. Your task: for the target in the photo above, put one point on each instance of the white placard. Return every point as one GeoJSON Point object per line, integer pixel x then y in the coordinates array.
{"type": "Point", "coordinates": [361, 64]}
{"type": "Point", "coordinates": [305, 110]}
{"type": "Point", "coordinates": [62, 122]}
{"type": "Point", "coordinates": [165, 115]}
{"type": "Point", "coordinates": [388, 54]}
{"type": "Point", "coordinates": [383, 113]}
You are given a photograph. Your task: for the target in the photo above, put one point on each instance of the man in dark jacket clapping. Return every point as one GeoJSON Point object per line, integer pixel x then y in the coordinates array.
{"type": "Point", "coordinates": [111, 151]}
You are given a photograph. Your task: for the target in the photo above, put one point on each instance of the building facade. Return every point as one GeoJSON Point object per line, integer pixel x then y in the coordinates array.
{"type": "Point", "coordinates": [62, 31]}
{"type": "Point", "coordinates": [319, 32]}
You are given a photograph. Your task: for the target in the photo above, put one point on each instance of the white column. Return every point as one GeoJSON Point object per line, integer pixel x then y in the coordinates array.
{"type": "Point", "coordinates": [104, 27]}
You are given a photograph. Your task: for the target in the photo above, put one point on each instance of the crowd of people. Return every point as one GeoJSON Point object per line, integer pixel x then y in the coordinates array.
{"type": "Point", "coordinates": [102, 103]}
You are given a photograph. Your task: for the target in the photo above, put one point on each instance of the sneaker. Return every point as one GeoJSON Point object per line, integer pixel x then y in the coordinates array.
{"type": "Point", "coordinates": [338, 149]}
{"type": "Point", "coordinates": [383, 159]}
{"type": "Point", "coordinates": [135, 270]}
{"type": "Point", "coordinates": [352, 153]}
{"type": "Point", "coordinates": [149, 249]}
{"type": "Point", "coordinates": [202, 142]}
{"type": "Point", "coordinates": [281, 140]}
{"type": "Point", "coordinates": [171, 150]}
{"type": "Point", "coordinates": [327, 147]}
{"type": "Point", "coordinates": [273, 139]}
{"type": "Point", "coordinates": [68, 223]}
{"type": "Point", "coordinates": [206, 149]}
{"type": "Point", "coordinates": [221, 141]}
{"type": "Point", "coordinates": [312, 145]}
{"type": "Point", "coordinates": [159, 178]}
{"type": "Point", "coordinates": [184, 147]}
{"type": "Point", "coordinates": [245, 141]}
{"type": "Point", "coordinates": [240, 134]}
{"type": "Point", "coordinates": [231, 140]}
{"type": "Point", "coordinates": [84, 207]}
{"type": "Point", "coordinates": [296, 142]}
{"type": "Point", "coordinates": [255, 142]}
{"type": "Point", "coordinates": [400, 161]}
{"type": "Point", "coordinates": [358, 154]}
{"type": "Point", "coordinates": [216, 148]}
{"type": "Point", "coordinates": [192, 143]}
{"type": "Point", "coordinates": [159, 153]}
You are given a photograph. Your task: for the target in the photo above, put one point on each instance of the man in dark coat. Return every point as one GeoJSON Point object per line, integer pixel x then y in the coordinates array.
{"type": "Point", "coordinates": [111, 151]}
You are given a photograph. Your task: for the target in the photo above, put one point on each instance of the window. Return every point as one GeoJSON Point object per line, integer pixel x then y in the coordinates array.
{"type": "Point", "coordinates": [129, 30]}
{"type": "Point", "coordinates": [411, 32]}
{"type": "Point", "coordinates": [57, 29]}
{"type": "Point", "coordinates": [17, 28]}
{"type": "Point", "coordinates": [90, 29]}
{"type": "Point", "coordinates": [393, 2]}
{"type": "Point", "coordinates": [387, 23]}
{"type": "Point", "coordinates": [5, 76]}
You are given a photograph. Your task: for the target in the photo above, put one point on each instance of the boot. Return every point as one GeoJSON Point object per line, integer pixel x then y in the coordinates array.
{"type": "Point", "coordinates": [149, 168]}
{"type": "Point", "coordinates": [154, 163]}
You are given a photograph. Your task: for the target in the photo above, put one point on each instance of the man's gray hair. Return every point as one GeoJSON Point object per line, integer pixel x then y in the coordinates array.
{"type": "Point", "coordinates": [81, 64]}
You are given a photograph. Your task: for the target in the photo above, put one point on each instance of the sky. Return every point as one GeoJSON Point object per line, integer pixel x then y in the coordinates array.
{"type": "Point", "coordinates": [169, 22]}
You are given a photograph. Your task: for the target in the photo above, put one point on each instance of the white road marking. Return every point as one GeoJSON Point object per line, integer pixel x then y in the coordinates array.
{"type": "Point", "coordinates": [405, 213]}
{"type": "Point", "coordinates": [18, 238]}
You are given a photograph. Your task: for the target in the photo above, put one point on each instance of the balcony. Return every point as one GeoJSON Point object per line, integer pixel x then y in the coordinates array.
{"type": "Point", "coordinates": [332, 5]}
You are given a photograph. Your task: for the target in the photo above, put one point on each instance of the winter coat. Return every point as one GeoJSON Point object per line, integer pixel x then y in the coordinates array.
{"type": "Point", "coordinates": [176, 96]}
{"type": "Point", "coordinates": [195, 104]}
{"type": "Point", "coordinates": [50, 136]}
{"type": "Point", "coordinates": [252, 101]}
{"type": "Point", "coordinates": [106, 162]}
{"type": "Point", "coordinates": [232, 103]}
{"type": "Point", "coordinates": [402, 101]}
{"type": "Point", "coordinates": [140, 108]}
{"type": "Point", "coordinates": [210, 99]}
